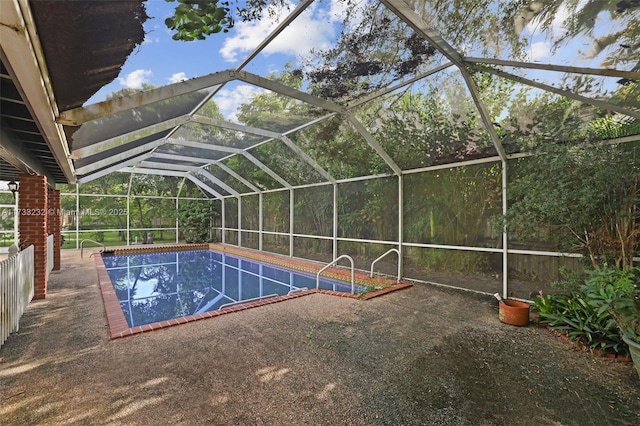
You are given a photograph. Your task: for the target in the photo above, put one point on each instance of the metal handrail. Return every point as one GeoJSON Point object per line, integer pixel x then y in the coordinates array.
{"type": "Point", "coordinates": [239, 302]}
{"type": "Point", "coordinates": [91, 241]}
{"type": "Point", "coordinates": [389, 251]}
{"type": "Point", "coordinates": [353, 284]}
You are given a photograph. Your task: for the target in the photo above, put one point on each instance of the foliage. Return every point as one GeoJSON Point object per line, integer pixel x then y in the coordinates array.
{"type": "Point", "coordinates": [151, 205]}
{"type": "Point", "coordinates": [586, 193]}
{"type": "Point", "coordinates": [194, 217]}
{"type": "Point", "coordinates": [573, 315]}
{"type": "Point", "coordinates": [582, 18]}
{"type": "Point", "coordinates": [377, 48]}
{"type": "Point", "coordinates": [602, 309]}
{"type": "Point", "coordinates": [616, 292]}
{"type": "Point", "coordinates": [574, 196]}
{"type": "Point", "coordinates": [611, 126]}
{"type": "Point", "coordinates": [197, 19]}
{"type": "Point", "coordinates": [533, 121]}
{"type": "Point", "coordinates": [570, 280]}
{"type": "Point", "coordinates": [455, 205]}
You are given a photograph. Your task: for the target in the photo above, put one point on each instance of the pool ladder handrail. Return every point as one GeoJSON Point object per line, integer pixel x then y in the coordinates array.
{"type": "Point", "coordinates": [91, 241]}
{"type": "Point", "coordinates": [344, 256]}
{"type": "Point", "coordinates": [389, 251]}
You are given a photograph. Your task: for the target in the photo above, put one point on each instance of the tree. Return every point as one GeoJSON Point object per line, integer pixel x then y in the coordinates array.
{"type": "Point", "coordinates": [197, 19]}
{"type": "Point", "coordinates": [582, 18]}
{"type": "Point", "coordinates": [149, 208]}
{"type": "Point", "coordinates": [194, 217]}
{"type": "Point", "coordinates": [587, 193]}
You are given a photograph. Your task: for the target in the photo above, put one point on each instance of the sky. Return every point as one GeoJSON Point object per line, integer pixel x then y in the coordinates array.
{"type": "Point", "coordinates": [159, 60]}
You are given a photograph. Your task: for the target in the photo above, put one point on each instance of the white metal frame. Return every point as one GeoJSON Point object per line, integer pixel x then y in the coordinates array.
{"type": "Point", "coordinates": [143, 159]}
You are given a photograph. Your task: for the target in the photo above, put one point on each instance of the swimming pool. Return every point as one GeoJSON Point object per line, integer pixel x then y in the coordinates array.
{"type": "Point", "coordinates": [162, 286]}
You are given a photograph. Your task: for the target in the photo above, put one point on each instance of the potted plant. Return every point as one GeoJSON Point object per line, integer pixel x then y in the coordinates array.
{"type": "Point", "coordinates": [617, 292]}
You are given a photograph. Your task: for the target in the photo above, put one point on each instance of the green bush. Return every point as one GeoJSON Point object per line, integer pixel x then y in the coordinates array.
{"type": "Point", "coordinates": [194, 217]}
{"type": "Point", "coordinates": [616, 292]}
{"type": "Point", "coordinates": [575, 316]}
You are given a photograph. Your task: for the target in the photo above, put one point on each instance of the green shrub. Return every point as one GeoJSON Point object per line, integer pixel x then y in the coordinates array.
{"type": "Point", "coordinates": [575, 316]}
{"type": "Point", "coordinates": [616, 292]}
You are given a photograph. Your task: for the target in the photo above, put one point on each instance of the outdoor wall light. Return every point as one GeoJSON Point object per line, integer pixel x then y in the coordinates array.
{"type": "Point", "coordinates": [13, 187]}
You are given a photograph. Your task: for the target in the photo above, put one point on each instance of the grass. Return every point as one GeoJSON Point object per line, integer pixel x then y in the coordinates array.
{"type": "Point", "coordinates": [112, 239]}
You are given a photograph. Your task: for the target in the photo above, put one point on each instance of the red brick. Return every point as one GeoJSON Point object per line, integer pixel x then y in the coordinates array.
{"type": "Point", "coordinates": [33, 228]}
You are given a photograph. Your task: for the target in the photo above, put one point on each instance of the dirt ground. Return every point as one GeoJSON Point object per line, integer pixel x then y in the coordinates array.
{"type": "Point", "coordinates": [420, 356]}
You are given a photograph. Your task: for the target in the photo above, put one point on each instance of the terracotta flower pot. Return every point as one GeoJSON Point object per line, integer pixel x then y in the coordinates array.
{"type": "Point", "coordinates": [514, 313]}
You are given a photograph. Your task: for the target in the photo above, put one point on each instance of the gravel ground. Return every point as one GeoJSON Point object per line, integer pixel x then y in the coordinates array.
{"type": "Point", "coordinates": [420, 356]}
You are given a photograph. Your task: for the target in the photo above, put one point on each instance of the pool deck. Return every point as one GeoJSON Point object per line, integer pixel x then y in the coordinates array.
{"type": "Point", "coordinates": [421, 356]}
{"type": "Point", "coordinates": [119, 327]}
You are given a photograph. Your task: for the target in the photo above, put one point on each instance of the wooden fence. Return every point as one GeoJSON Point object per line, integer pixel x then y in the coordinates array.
{"type": "Point", "coordinates": [16, 290]}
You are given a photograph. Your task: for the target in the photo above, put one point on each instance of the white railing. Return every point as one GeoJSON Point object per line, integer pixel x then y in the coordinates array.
{"type": "Point", "coordinates": [344, 256]}
{"type": "Point", "coordinates": [49, 254]}
{"type": "Point", "coordinates": [399, 259]}
{"type": "Point", "coordinates": [16, 290]}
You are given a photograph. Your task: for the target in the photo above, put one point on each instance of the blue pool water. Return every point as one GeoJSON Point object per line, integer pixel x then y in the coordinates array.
{"type": "Point", "coordinates": [154, 287]}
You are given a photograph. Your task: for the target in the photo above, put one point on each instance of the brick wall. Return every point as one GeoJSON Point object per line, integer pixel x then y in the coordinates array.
{"type": "Point", "coordinates": [32, 209]}
{"type": "Point", "coordinates": [53, 224]}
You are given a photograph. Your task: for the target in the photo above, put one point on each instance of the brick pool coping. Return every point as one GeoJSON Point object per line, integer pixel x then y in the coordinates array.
{"type": "Point", "coordinates": [117, 323]}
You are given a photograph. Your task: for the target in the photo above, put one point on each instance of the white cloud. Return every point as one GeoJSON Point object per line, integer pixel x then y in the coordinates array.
{"type": "Point", "coordinates": [135, 79]}
{"type": "Point", "coordinates": [178, 77]}
{"type": "Point", "coordinates": [228, 101]}
{"type": "Point", "coordinates": [539, 50]}
{"type": "Point", "coordinates": [312, 29]}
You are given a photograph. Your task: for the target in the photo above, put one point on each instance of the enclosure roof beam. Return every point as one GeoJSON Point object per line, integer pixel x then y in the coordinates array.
{"type": "Point", "coordinates": [300, 153]}
{"type": "Point", "coordinates": [237, 176]}
{"type": "Point", "coordinates": [267, 170]}
{"type": "Point", "coordinates": [217, 148]}
{"type": "Point", "coordinates": [280, 88]}
{"type": "Point", "coordinates": [238, 151]}
{"type": "Point", "coordinates": [113, 168]}
{"type": "Point", "coordinates": [406, 13]}
{"type": "Point", "coordinates": [266, 133]}
{"type": "Point", "coordinates": [145, 171]}
{"type": "Point", "coordinates": [118, 158]}
{"type": "Point", "coordinates": [276, 32]}
{"type": "Point", "coordinates": [221, 184]}
{"type": "Point", "coordinates": [373, 143]}
{"type": "Point", "coordinates": [117, 141]}
{"type": "Point", "coordinates": [390, 89]}
{"type": "Point", "coordinates": [80, 115]}
{"type": "Point", "coordinates": [562, 92]}
{"type": "Point", "coordinates": [203, 145]}
{"type": "Point", "coordinates": [484, 114]}
{"type": "Point", "coordinates": [624, 139]}
{"type": "Point", "coordinates": [607, 72]}
{"type": "Point", "coordinates": [218, 163]}
{"type": "Point", "coordinates": [228, 125]}
{"type": "Point", "coordinates": [310, 123]}
{"type": "Point", "coordinates": [204, 186]}
{"type": "Point", "coordinates": [167, 166]}
{"type": "Point", "coordinates": [180, 157]}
